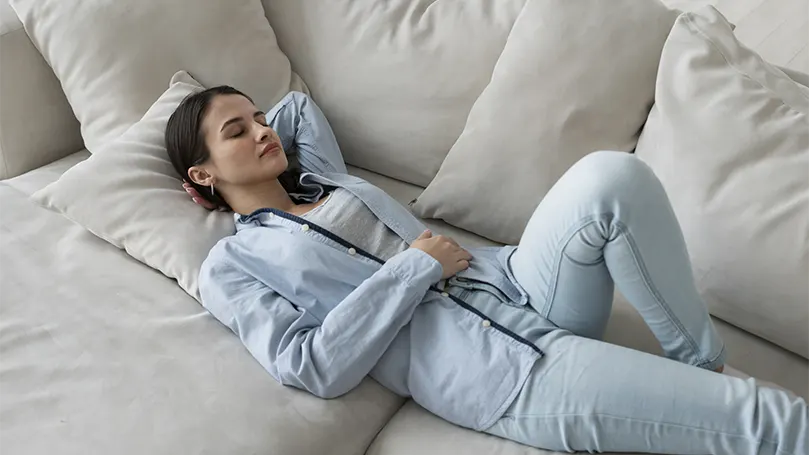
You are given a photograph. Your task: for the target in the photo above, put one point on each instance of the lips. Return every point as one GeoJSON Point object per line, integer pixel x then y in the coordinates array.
{"type": "Point", "coordinates": [271, 149]}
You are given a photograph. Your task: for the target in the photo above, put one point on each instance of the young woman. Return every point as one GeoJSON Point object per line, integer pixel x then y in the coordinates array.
{"type": "Point", "coordinates": [328, 280]}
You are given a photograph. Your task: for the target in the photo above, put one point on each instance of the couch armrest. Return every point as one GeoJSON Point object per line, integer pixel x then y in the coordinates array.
{"type": "Point", "coordinates": [37, 125]}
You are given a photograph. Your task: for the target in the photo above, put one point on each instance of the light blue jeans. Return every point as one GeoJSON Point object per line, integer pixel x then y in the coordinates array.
{"type": "Point", "coordinates": [608, 220]}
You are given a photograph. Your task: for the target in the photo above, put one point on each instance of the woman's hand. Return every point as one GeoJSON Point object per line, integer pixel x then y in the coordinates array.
{"type": "Point", "coordinates": [195, 196]}
{"type": "Point", "coordinates": [446, 251]}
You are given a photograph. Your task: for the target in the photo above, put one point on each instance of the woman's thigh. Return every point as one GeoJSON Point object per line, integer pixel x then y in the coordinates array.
{"type": "Point", "coordinates": [587, 395]}
{"type": "Point", "coordinates": [560, 261]}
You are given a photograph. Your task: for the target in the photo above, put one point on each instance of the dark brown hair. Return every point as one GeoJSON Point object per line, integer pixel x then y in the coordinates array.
{"type": "Point", "coordinates": [186, 146]}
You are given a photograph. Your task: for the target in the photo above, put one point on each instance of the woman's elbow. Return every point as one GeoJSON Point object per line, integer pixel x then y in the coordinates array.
{"type": "Point", "coordinates": [299, 97]}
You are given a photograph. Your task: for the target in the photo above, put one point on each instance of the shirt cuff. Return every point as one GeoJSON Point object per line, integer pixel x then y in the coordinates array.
{"type": "Point", "coordinates": [416, 267]}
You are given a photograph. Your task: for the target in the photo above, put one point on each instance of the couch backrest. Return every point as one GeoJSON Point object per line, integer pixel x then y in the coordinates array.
{"type": "Point", "coordinates": [37, 125]}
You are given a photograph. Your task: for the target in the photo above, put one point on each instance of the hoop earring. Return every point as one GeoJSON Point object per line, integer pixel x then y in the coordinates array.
{"type": "Point", "coordinates": [212, 191]}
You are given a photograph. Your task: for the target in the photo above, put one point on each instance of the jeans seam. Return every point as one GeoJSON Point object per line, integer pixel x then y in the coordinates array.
{"type": "Point", "coordinates": [713, 360]}
{"type": "Point", "coordinates": [644, 273]}
{"type": "Point", "coordinates": [584, 222]}
{"type": "Point", "coordinates": [600, 415]}
{"type": "Point", "coordinates": [633, 249]}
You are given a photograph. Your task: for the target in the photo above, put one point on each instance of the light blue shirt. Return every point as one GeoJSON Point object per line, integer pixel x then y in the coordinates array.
{"type": "Point", "coordinates": [320, 314]}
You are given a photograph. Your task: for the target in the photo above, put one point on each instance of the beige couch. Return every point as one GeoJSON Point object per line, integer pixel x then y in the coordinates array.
{"type": "Point", "coordinates": [100, 353]}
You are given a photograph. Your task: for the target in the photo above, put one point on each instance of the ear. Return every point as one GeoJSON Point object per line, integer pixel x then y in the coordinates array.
{"type": "Point", "coordinates": [200, 176]}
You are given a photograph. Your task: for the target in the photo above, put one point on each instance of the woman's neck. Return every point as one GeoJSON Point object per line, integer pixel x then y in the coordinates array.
{"type": "Point", "coordinates": [247, 199]}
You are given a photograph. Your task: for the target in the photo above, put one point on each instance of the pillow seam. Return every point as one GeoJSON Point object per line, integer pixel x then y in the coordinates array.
{"type": "Point", "coordinates": [689, 16]}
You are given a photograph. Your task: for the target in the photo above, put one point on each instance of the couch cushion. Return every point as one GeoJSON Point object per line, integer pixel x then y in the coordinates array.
{"type": "Point", "coordinates": [37, 179]}
{"type": "Point", "coordinates": [113, 57]}
{"type": "Point", "coordinates": [101, 354]}
{"type": "Point", "coordinates": [131, 196]}
{"type": "Point", "coordinates": [414, 430]}
{"type": "Point", "coordinates": [395, 78]}
{"type": "Point", "coordinates": [728, 138]}
{"type": "Point", "coordinates": [574, 77]}
{"type": "Point", "coordinates": [31, 102]}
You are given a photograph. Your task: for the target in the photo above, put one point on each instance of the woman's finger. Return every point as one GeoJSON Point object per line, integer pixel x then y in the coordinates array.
{"type": "Point", "coordinates": [204, 203]}
{"type": "Point", "coordinates": [462, 255]}
{"type": "Point", "coordinates": [425, 235]}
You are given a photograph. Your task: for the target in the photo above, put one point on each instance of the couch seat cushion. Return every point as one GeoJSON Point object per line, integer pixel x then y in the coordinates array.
{"type": "Point", "coordinates": [102, 354]}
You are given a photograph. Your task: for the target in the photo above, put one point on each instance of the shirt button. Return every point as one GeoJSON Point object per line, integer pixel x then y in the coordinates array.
{"type": "Point", "coordinates": [445, 294]}
{"type": "Point", "coordinates": [352, 251]}
{"type": "Point", "coordinates": [305, 227]}
{"type": "Point", "coordinates": [486, 323]}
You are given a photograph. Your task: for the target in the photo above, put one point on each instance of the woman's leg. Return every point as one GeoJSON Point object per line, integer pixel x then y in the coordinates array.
{"type": "Point", "coordinates": [587, 395]}
{"type": "Point", "coordinates": [608, 220]}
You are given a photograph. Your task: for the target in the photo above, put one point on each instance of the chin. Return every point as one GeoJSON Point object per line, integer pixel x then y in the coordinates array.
{"type": "Point", "coordinates": [272, 169]}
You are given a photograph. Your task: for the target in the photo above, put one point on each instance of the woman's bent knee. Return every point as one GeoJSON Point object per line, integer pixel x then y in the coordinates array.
{"type": "Point", "coordinates": [606, 164]}
{"type": "Point", "coordinates": [606, 174]}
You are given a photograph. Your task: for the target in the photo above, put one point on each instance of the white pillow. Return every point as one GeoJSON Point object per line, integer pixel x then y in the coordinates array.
{"type": "Point", "coordinates": [395, 78]}
{"type": "Point", "coordinates": [575, 76]}
{"type": "Point", "coordinates": [113, 57]}
{"type": "Point", "coordinates": [130, 196]}
{"type": "Point", "coordinates": [728, 137]}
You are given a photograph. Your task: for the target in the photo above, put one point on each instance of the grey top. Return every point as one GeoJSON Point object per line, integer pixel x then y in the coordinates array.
{"type": "Point", "coordinates": [345, 215]}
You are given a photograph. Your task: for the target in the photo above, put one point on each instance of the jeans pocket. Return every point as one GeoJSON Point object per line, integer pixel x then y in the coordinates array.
{"type": "Point", "coordinates": [475, 285]}
{"type": "Point", "coordinates": [459, 292]}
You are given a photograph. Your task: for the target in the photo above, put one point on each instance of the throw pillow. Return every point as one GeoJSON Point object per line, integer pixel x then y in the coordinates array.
{"type": "Point", "coordinates": [113, 57]}
{"type": "Point", "coordinates": [130, 196]}
{"type": "Point", "coordinates": [729, 138]}
{"type": "Point", "coordinates": [395, 78]}
{"type": "Point", "coordinates": [575, 76]}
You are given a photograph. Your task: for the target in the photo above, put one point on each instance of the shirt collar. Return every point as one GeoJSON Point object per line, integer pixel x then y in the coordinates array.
{"type": "Point", "coordinates": [310, 192]}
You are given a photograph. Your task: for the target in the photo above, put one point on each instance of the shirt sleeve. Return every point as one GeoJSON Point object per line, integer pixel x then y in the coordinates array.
{"type": "Point", "coordinates": [301, 125]}
{"type": "Point", "coordinates": [330, 357]}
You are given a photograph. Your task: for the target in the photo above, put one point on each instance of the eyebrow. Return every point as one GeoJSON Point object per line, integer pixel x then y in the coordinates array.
{"type": "Point", "coordinates": [237, 120]}
{"type": "Point", "coordinates": [230, 122]}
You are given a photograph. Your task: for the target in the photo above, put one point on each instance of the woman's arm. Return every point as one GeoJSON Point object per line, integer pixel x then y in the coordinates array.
{"type": "Point", "coordinates": [327, 358]}
{"type": "Point", "coordinates": [301, 124]}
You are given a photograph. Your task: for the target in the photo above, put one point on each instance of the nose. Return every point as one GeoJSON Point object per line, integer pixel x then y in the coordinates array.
{"type": "Point", "coordinates": [263, 133]}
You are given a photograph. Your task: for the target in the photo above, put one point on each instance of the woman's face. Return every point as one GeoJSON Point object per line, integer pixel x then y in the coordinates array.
{"type": "Point", "coordinates": [244, 150]}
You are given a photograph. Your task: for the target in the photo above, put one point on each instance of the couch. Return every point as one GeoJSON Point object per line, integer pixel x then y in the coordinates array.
{"type": "Point", "coordinates": [102, 353]}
